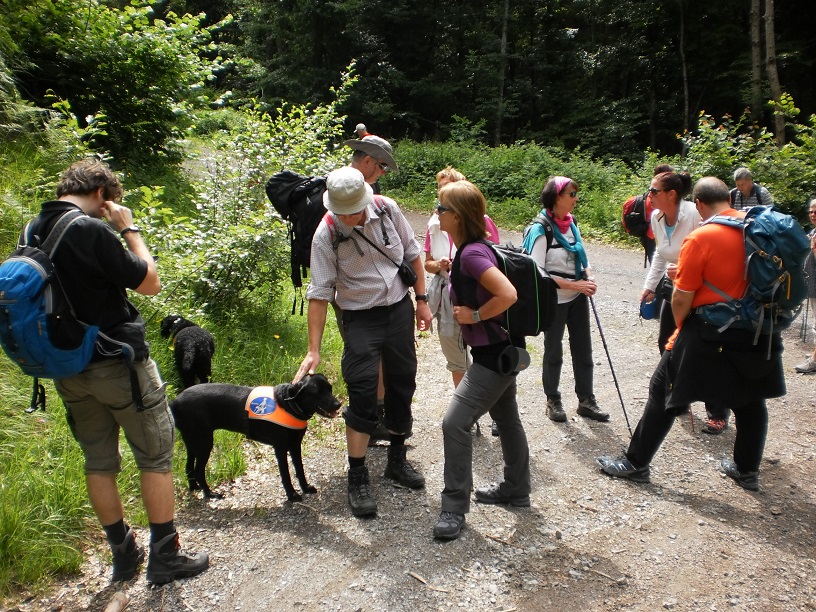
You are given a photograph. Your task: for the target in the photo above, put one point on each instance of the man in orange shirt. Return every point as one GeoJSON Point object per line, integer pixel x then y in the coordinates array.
{"type": "Point", "coordinates": [703, 364]}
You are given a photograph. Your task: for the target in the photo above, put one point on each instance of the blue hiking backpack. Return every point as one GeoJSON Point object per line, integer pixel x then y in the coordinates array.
{"type": "Point", "coordinates": [38, 328]}
{"type": "Point", "coordinates": [775, 251]}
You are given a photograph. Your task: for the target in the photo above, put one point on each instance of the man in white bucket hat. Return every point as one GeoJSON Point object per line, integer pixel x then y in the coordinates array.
{"type": "Point", "coordinates": [356, 255]}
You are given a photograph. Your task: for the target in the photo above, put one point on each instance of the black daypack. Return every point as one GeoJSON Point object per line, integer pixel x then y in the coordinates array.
{"type": "Point", "coordinates": [635, 221]}
{"type": "Point", "coordinates": [534, 309]}
{"type": "Point", "coordinates": [299, 201]}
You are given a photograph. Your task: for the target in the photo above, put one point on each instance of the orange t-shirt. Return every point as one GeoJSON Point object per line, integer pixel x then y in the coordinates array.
{"type": "Point", "coordinates": [716, 254]}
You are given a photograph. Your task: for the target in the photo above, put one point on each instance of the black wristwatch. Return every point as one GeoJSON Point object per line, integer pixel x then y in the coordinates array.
{"type": "Point", "coordinates": [132, 228]}
{"type": "Point", "coordinates": [421, 297]}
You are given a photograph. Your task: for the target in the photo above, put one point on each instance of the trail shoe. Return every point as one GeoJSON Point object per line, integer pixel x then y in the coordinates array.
{"type": "Point", "coordinates": [127, 557]}
{"type": "Point", "coordinates": [359, 496]}
{"type": "Point", "coordinates": [714, 426]}
{"type": "Point", "coordinates": [621, 467]}
{"type": "Point", "coordinates": [555, 411]}
{"type": "Point", "coordinates": [449, 526]}
{"type": "Point", "coordinates": [806, 368]}
{"type": "Point", "coordinates": [493, 494]}
{"type": "Point", "coordinates": [167, 562]}
{"type": "Point", "coordinates": [747, 480]}
{"type": "Point", "coordinates": [588, 408]}
{"type": "Point", "coordinates": [399, 468]}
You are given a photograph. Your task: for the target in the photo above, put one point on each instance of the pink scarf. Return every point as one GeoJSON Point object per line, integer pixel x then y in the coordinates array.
{"type": "Point", "coordinates": [562, 224]}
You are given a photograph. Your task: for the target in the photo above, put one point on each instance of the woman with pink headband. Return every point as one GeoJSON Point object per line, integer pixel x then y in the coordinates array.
{"type": "Point", "coordinates": [561, 253]}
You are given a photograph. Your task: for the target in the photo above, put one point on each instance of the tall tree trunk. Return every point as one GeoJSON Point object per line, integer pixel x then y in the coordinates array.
{"type": "Point", "coordinates": [502, 65]}
{"type": "Point", "coordinates": [684, 66]}
{"type": "Point", "coordinates": [773, 74]}
{"type": "Point", "coordinates": [756, 63]}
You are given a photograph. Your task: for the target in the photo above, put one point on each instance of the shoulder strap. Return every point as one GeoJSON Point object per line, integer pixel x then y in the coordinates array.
{"type": "Point", "coordinates": [549, 233]}
{"type": "Point", "coordinates": [55, 235]}
{"type": "Point", "coordinates": [363, 236]}
{"type": "Point", "coordinates": [383, 209]}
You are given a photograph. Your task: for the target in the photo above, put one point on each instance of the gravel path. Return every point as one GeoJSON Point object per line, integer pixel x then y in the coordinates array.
{"type": "Point", "coordinates": [691, 540]}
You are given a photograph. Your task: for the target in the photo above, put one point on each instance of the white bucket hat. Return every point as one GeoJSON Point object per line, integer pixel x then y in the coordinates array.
{"type": "Point", "coordinates": [347, 192]}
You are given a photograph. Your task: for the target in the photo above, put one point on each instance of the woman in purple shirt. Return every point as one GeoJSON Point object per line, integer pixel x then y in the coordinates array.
{"type": "Point", "coordinates": [487, 385]}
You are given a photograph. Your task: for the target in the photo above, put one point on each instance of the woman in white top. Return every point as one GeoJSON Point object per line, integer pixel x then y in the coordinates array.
{"type": "Point", "coordinates": [561, 253]}
{"type": "Point", "coordinates": [673, 219]}
{"type": "Point", "coordinates": [439, 254]}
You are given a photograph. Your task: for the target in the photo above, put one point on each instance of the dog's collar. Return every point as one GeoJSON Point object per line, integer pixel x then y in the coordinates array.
{"type": "Point", "coordinates": [261, 404]}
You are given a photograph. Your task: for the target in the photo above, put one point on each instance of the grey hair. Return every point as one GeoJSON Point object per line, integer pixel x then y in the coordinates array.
{"type": "Point", "coordinates": [743, 174]}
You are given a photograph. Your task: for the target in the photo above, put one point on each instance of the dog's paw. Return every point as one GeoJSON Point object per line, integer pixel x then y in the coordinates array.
{"type": "Point", "coordinates": [295, 497]}
{"type": "Point", "coordinates": [309, 489]}
{"type": "Point", "coordinates": [213, 495]}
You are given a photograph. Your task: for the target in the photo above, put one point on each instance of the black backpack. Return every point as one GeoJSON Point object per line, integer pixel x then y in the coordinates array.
{"type": "Point", "coordinates": [534, 309]}
{"type": "Point", "coordinates": [299, 201]}
{"type": "Point", "coordinates": [635, 221]}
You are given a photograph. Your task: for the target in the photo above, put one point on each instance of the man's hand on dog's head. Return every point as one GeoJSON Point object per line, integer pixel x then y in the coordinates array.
{"type": "Point", "coordinates": [307, 366]}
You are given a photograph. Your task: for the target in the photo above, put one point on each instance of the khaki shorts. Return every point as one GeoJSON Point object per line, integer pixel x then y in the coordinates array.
{"type": "Point", "coordinates": [99, 402]}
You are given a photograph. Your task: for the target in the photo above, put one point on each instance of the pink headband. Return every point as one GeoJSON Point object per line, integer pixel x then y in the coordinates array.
{"type": "Point", "coordinates": [561, 182]}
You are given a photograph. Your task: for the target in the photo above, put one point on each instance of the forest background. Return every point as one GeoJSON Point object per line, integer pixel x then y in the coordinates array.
{"type": "Point", "coordinates": [195, 104]}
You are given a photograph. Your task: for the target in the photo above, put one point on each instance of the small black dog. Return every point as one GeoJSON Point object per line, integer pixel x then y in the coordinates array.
{"type": "Point", "coordinates": [272, 415]}
{"type": "Point", "coordinates": [194, 348]}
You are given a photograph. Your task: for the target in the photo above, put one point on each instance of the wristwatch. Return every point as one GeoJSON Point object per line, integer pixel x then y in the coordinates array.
{"type": "Point", "coordinates": [476, 316]}
{"type": "Point", "coordinates": [421, 297]}
{"type": "Point", "coordinates": [132, 228]}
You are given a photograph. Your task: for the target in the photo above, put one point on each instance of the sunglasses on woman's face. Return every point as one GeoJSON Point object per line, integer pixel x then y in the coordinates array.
{"type": "Point", "coordinates": [441, 209]}
{"type": "Point", "coordinates": [655, 190]}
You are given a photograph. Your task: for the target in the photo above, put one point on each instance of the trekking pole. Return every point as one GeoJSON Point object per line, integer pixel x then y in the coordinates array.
{"type": "Point", "coordinates": [609, 358]}
{"type": "Point", "coordinates": [803, 333]}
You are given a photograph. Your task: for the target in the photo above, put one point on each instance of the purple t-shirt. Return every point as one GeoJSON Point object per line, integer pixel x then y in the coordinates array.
{"type": "Point", "coordinates": [475, 259]}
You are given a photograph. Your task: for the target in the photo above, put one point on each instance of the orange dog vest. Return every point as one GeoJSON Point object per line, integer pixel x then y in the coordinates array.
{"type": "Point", "coordinates": [261, 405]}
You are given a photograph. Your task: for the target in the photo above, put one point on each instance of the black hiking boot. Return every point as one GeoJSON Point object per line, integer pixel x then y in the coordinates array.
{"type": "Point", "coordinates": [398, 468]}
{"type": "Point", "coordinates": [167, 562]}
{"type": "Point", "coordinates": [127, 557]}
{"type": "Point", "coordinates": [359, 495]}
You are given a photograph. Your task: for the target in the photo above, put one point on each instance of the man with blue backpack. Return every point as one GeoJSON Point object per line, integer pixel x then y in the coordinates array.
{"type": "Point", "coordinates": [728, 347]}
{"type": "Point", "coordinates": [117, 389]}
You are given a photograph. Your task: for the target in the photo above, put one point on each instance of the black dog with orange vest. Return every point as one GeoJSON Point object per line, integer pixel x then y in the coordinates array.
{"type": "Point", "coordinates": [276, 416]}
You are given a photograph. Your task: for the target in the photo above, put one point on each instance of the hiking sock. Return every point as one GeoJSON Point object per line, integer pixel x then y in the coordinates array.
{"type": "Point", "coordinates": [159, 531]}
{"type": "Point", "coordinates": [116, 532]}
{"type": "Point", "coordinates": [356, 462]}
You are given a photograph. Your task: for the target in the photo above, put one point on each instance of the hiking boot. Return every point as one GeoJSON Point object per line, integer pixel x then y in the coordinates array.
{"type": "Point", "coordinates": [127, 557]}
{"type": "Point", "coordinates": [747, 480]}
{"type": "Point", "coordinates": [555, 411]}
{"type": "Point", "coordinates": [493, 494]}
{"type": "Point", "coordinates": [167, 562]}
{"type": "Point", "coordinates": [714, 426]}
{"type": "Point", "coordinates": [398, 468]}
{"type": "Point", "coordinates": [588, 408]}
{"type": "Point", "coordinates": [359, 496]}
{"type": "Point", "coordinates": [621, 467]}
{"type": "Point", "coordinates": [449, 526]}
{"type": "Point", "coordinates": [806, 368]}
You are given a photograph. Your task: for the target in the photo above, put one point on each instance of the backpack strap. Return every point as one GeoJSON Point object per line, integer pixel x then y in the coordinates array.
{"type": "Point", "coordinates": [383, 209]}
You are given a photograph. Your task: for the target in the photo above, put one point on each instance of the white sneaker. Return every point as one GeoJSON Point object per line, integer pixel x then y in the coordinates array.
{"type": "Point", "coordinates": [807, 367]}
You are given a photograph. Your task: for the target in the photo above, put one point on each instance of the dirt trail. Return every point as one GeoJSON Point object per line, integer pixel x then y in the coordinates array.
{"type": "Point", "coordinates": [691, 540]}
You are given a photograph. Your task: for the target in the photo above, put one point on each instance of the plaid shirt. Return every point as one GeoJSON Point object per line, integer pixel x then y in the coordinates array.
{"type": "Point", "coordinates": [353, 272]}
